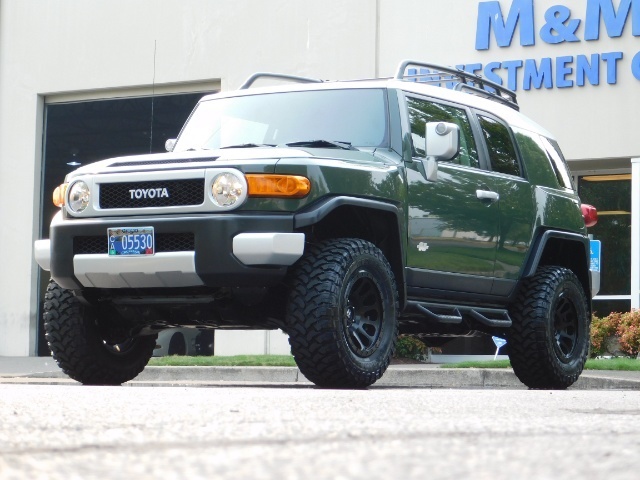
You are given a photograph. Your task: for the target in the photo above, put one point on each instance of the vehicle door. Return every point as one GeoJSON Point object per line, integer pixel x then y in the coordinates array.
{"type": "Point", "coordinates": [452, 221]}
{"type": "Point", "coordinates": [516, 219]}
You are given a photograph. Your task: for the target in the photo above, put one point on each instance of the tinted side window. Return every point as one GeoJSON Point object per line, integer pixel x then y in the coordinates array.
{"type": "Point", "coordinates": [559, 163]}
{"type": "Point", "coordinates": [422, 111]}
{"type": "Point", "coordinates": [502, 153]}
{"type": "Point", "coordinates": [534, 155]}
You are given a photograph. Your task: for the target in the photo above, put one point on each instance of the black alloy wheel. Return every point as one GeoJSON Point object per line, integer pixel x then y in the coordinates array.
{"type": "Point", "coordinates": [342, 313]}
{"type": "Point", "coordinates": [363, 315]}
{"type": "Point", "coordinates": [565, 326]}
{"type": "Point", "coordinates": [549, 339]}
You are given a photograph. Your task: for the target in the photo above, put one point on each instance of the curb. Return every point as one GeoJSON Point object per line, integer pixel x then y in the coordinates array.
{"type": "Point", "coordinates": [222, 374]}
{"type": "Point", "coordinates": [395, 376]}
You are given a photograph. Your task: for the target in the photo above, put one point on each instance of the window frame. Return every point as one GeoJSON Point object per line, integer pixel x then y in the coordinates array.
{"type": "Point", "coordinates": [482, 158]}
{"type": "Point", "coordinates": [485, 148]}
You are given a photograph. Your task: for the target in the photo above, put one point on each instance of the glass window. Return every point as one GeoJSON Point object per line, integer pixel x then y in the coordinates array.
{"type": "Point", "coordinates": [423, 111]}
{"type": "Point", "coordinates": [502, 153]}
{"type": "Point", "coordinates": [611, 195]}
{"type": "Point", "coordinates": [602, 308]}
{"type": "Point", "coordinates": [79, 133]}
{"type": "Point", "coordinates": [558, 162]}
{"type": "Point", "coordinates": [355, 116]}
{"type": "Point", "coordinates": [540, 169]}
{"type": "Point", "coordinates": [83, 132]}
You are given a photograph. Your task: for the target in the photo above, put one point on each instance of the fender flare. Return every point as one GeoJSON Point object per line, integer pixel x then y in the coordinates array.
{"type": "Point", "coordinates": [320, 210]}
{"type": "Point", "coordinates": [539, 244]}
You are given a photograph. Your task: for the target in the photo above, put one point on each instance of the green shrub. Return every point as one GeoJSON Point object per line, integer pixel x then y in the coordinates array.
{"type": "Point", "coordinates": [601, 328]}
{"type": "Point", "coordinates": [629, 332]}
{"type": "Point", "coordinates": [409, 346]}
{"type": "Point", "coordinates": [624, 326]}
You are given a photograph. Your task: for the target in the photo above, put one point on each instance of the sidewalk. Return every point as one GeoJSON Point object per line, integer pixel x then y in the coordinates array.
{"type": "Point", "coordinates": [44, 370]}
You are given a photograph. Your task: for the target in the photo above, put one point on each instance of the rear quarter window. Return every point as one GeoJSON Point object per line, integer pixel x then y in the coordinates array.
{"type": "Point", "coordinates": [559, 163]}
{"type": "Point", "coordinates": [539, 167]}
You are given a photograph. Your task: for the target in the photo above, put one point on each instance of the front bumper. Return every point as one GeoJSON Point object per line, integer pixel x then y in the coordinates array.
{"type": "Point", "coordinates": [228, 250]}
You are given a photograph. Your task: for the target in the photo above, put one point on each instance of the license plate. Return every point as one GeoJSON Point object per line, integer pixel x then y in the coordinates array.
{"type": "Point", "coordinates": [131, 241]}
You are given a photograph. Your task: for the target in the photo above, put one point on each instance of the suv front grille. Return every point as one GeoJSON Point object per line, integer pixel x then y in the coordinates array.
{"type": "Point", "coordinates": [164, 193]}
{"type": "Point", "coordinates": [165, 242]}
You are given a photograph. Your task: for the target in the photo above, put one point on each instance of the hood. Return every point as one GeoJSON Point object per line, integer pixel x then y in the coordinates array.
{"type": "Point", "coordinates": [224, 157]}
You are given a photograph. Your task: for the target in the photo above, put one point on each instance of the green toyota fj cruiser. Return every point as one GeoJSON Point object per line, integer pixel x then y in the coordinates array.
{"type": "Point", "coordinates": [343, 213]}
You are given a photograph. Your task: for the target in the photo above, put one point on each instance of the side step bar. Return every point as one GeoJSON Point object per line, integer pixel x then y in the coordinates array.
{"type": "Point", "coordinates": [440, 315]}
{"type": "Point", "coordinates": [454, 314]}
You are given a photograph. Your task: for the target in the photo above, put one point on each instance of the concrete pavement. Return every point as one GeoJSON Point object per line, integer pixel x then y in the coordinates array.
{"type": "Point", "coordinates": [44, 370]}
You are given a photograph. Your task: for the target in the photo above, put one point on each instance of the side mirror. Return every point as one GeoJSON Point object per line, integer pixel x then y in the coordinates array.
{"type": "Point", "coordinates": [169, 144]}
{"type": "Point", "coordinates": [442, 142]}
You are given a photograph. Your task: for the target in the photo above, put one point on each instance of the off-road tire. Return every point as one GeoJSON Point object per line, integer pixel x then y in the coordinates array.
{"type": "Point", "coordinates": [342, 313]}
{"type": "Point", "coordinates": [78, 347]}
{"type": "Point", "coordinates": [177, 344]}
{"type": "Point", "coordinates": [549, 339]}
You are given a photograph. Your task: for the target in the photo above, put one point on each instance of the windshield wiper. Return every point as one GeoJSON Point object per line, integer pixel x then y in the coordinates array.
{"type": "Point", "coordinates": [248, 145]}
{"type": "Point", "coordinates": [322, 144]}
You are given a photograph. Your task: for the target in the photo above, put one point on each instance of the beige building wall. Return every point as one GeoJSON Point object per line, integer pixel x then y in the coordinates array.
{"type": "Point", "coordinates": [251, 342]}
{"type": "Point", "coordinates": [59, 50]}
{"type": "Point", "coordinates": [72, 49]}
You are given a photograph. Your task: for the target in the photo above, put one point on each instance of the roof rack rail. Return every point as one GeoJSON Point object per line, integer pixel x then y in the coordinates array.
{"type": "Point", "coordinates": [294, 78]}
{"type": "Point", "coordinates": [463, 80]}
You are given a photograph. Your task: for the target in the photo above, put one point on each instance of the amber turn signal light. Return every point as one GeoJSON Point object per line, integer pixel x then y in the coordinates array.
{"type": "Point", "coordinates": [59, 193]}
{"type": "Point", "coordinates": [281, 186]}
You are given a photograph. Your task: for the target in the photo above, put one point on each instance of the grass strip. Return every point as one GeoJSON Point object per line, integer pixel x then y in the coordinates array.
{"type": "Point", "coordinates": [478, 364]}
{"type": "Point", "coordinates": [232, 361]}
{"type": "Point", "coordinates": [626, 364]}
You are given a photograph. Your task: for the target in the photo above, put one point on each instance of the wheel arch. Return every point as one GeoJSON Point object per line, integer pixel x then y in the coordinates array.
{"type": "Point", "coordinates": [564, 249]}
{"type": "Point", "coordinates": [375, 221]}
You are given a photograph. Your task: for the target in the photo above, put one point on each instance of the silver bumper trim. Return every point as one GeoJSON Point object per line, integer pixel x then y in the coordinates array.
{"type": "Point", "coordinates": [268, 248]}
{"type": "Point", "coordinates": [42, 253]}
{"type": "Point", "coordinates": [173, 269]}
{"type": "Point", "coordinates": [166, 269]}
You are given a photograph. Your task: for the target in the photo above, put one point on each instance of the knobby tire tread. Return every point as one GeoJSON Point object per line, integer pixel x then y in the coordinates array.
{"type": "Point", "coordinates": [533, 362]}
{"type": "Point", "coordinates": [76, 347]}
{"type": "Point", "coordinates": [314, 340]}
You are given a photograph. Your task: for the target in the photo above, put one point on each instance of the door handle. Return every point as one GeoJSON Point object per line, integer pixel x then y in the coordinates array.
{"type": "Point", "coordinates": [487, 195]}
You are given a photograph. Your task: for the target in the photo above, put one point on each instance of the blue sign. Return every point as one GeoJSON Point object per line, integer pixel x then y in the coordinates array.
{"type": "Point", "coordinates": [595, 255]}
{"type": "Point", "coordinates": [561, 25]}
{"type": "Point", "coordinates": [500, 342]}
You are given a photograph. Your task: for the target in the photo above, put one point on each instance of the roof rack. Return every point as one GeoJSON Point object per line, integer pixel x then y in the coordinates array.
{"type": "Point", "coordinates": [294, 78]}
{"type": "Point", "coordinates": [462, 80]}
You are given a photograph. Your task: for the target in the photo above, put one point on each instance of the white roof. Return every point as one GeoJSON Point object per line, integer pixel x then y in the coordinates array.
{"type": "Point", "coordinates": [506, 113]}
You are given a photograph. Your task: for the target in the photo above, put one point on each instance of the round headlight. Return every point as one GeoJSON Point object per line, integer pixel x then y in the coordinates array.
{"type": "Point", "coordinates": [79, 195]}
{"type": "Point", "coordinates": [226, 189]}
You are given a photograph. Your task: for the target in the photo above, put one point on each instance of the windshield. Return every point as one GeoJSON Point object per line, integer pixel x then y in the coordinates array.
{"type": "Point", "coordinates": [352, 116]}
